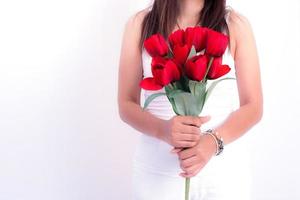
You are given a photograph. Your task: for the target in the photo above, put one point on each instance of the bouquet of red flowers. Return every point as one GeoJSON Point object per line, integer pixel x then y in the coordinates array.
{"type": "Point", "coordinates": [182, 65]}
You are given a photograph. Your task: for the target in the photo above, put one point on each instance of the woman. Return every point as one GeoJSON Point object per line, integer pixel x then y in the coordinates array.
{"type": "Point", "coordinates": [158, 173]}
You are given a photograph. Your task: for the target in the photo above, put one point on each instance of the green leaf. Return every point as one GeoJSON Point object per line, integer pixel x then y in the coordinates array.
{"type": "Point", "coordinates": [186, 104]}
{"type": "Point", "coordinates": [151, 98]}
{"type": "Point", "coordinates": [168, 88]}
{"type": "Point", "coordinates": [197, 88]}
{"type": "Point", "coordinates": [174, 92]}
{"type": "Point", "coordinates": [170, 92]}
{"type": "Point", "coordinates": [213, 85]}
{"type": "Point", "coordinates": [192, 52]}
{"type": "Point", "coordinates": [173, 105]}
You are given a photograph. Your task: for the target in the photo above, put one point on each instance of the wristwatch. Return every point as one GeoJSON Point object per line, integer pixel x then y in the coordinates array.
{"type": "Point", "coordinates": [218, 140]}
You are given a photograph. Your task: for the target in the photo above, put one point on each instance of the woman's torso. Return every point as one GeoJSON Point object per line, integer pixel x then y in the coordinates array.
{"type": "Point", "coordinates": [154, 154]}
{"type": "Point", "coordinates": [230, 170]}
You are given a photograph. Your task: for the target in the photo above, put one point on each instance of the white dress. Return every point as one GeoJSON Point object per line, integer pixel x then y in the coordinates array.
{"type": "Point", "coordinates": [156, 170]}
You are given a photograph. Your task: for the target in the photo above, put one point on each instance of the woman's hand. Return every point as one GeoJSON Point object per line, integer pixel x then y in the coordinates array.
{"type": "Point", "coordinates": [193, 159]}
{"type": "Point", "coordinates": [183, 131]}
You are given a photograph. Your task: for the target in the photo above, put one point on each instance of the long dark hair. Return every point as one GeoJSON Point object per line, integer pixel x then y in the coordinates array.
{"type": "Point", "coordinates": [163, 17]}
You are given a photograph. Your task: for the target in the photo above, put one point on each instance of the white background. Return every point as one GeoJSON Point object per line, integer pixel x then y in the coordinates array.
{"type": "Point", "coordinates": [60, 134]}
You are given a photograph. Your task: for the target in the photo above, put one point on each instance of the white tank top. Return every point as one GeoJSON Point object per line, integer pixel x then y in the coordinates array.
{"type": "Point", "coordinates": [153, 154]}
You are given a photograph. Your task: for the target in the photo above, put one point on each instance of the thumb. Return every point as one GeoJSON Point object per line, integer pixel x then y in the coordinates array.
{"type": "Point", "coordinates": [205, 119]}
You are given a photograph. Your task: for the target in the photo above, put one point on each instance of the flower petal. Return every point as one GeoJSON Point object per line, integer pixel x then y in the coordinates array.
{"type": "Point", "coordinates": [150, 84]}
{"type": "Point", "coordinates": [196, 36]}
{"type": "Point", "coordinates": [177, 38]}
{"type": "Point", "coordinates": [196, 67]}
{"type": "Point", "coordinates": [164, 70]}
{"type": "Point", "coordinates": [156, 45]}
{"type": "Point", "coordinates": [217, 69]}
{"type": "Point", "coordinates": [216, 43]}
{"type": "Point", "coordinates": [181, 53]}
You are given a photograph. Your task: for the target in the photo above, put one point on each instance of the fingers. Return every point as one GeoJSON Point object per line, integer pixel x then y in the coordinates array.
{"type": "Point", "coordinates": [184, 164]}
{"type": "Point", "coordinates": [188, 129]}
{"type": "Point", "coordinates": [189, 137]}
{"type": "Point", "coordinates": [184, 144]}
{"type": "Point", "coordinates": [187, 153]}
{"type": "Point", "coordinates": [192, 171]}
{"type": "Point", "coordinates": [191, 166]}
{"type": "Point", "coordinates": [185, 131]}
{"type": "Point", "coordinates": [194, 120]}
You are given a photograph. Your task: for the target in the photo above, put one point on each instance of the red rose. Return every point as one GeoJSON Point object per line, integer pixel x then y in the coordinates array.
{"type": "Point", "coordinates": [164, 71]}
{"type": "Point", "coordinates": [217, 70]}
{"type": "Point", "coordinates": [196, 36]}
{"type": "Point", "coordinates": [216, 43]}
{"type": "Point", "coordinates": [195, 67]}
{"type": "Point", "coordinates": [156, 45]}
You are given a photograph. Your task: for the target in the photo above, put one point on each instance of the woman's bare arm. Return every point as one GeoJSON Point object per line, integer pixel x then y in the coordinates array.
{"type": "Point", "coordinates": [130, 74]}
{"type": "Point", "coordinates": [243, 49]}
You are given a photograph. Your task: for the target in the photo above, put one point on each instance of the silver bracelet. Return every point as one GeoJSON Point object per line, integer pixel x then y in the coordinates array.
{"type": "Point", "coordinates": [218, 140]}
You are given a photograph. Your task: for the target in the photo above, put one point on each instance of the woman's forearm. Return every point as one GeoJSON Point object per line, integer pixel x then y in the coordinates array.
{"type": "Point", "coordinates": [145, 122]}
{"type": "Point", "coordinates": [239, 122]}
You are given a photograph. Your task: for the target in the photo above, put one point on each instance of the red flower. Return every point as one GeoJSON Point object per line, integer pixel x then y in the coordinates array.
{"type": "Point", "coordinates": [156, 45]}
{"type": "Point", "coordinates": [181, 53]}
{"type": "Point", "coordinates": [195, 67]}
{"type": "Point", "coordinates": [150, 84]}
{"type": "Point", "coordinates": [164, 71]}
{"type": "Point", "coordinates": [196, 36]}
{"type": "Point", "coordinates": [217, 69]}
{"type": "Point", "coordinates": [177, 38]}
{"type": "Point", "coordinates": [216, 43]}
{"type": "Point", "coordinates": [180, 48]}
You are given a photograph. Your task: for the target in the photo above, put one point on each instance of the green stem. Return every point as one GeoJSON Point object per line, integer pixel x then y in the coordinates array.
{"type": "Point", "coordinates": [187, 188]}
{"type": "Point", "coordinates": [208, 67]}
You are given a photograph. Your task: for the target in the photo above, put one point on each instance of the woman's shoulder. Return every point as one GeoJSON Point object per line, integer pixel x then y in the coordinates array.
{"type": "Point", "coordinates": [133, 28]}
{"type": "Point", "coordinates": [237, 20]}
{"type": "Point", "coordinates": [135, 21]}
{"type": "Point", "coordinates": [239, 27]}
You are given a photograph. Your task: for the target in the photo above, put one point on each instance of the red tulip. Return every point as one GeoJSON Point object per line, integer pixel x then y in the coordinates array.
{"type": "Point", "coordinates": [195, 67]}
{"type": "Point", "coordinates": [217, 69]}
{"type": "Point", "coordinates": [196, 36]}
{"type": "Point", "coordinates": [177, 38]}
{"type": "Point", "coordinates": [164, 71]}
{"type": "Point", "coordinates": [181, 53]}
{"type": "Point", "coordinates": [156, 45]}
{"type": "Point", "coordinates": [216, 43]}
{"type": "Point", "coordinates": [180, 48]}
